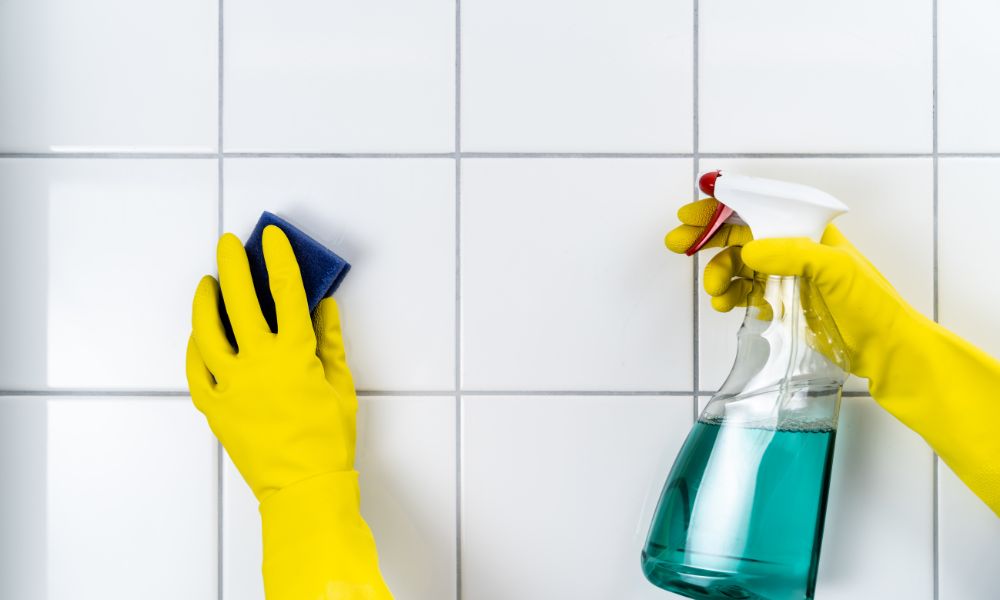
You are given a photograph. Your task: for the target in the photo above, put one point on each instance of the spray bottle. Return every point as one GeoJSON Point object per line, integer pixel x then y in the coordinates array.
{"type": "Point", "coordinates": [741, 513]}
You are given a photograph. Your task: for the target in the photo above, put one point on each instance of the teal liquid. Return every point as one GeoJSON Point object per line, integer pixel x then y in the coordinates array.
{"type": "Point", "coordinates": [741, 515]}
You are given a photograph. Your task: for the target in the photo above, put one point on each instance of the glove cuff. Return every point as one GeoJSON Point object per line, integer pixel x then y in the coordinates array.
{"type": "Point", "coordinates": [934, 382]}
{"type": "Point", "coordinates": [317, 545]}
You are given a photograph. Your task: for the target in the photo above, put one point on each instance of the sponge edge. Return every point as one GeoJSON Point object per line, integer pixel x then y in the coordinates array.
{"type": "Point", "coordinates": [322, 270]}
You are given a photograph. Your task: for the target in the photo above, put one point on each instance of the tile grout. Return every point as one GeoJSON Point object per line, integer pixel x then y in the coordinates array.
{"type": "Point", "coordinates": [480, 155]}
{"type": "Point", "coordinates": [935, 523]}
{"type": "Point", "coordinates": [127, 393]}
{"type": "Point", "coordinates": [220, 155]}
{"type": "Point", "coordinates": [458, 299]}
{"type": "Point", "coordinates": [695, 263]}
{"type": "Point", "coordinates": [616, 393]}
{"type": "Point", "coordinates": [97, 393]}
{"type": "Point", "coordinates": [220, 158]}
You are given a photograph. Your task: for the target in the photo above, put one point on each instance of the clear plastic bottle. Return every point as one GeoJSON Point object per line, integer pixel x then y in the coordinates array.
{"type": "Point", "coordinates": [741, 513]}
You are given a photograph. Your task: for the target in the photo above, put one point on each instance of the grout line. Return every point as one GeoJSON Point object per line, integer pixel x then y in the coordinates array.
{"type": "Point", "coordinates": [575, 155]}
{"type": "Point", "coordinates": [575, 393]}
{"type": "Point", "coordinates": [340, 154]}
{"type": "Point", "coordinates": [111, 155]}
{"type": "Point", "coordinates": [220, 508]}
{"type": "Point", "coordinates": [846, 394]}
{"type": "Point", "coordinates": [220, 156]}
{"type": "Point", "coordinates": [458, 300]}
{"type": "Point", "coordinates": [402, 393]}
{"type": "Point", "coordinates": [934, 120]}
{"type": "Point", "coordinates": [119, 393]}
{"type": "Point", "coordinates": [138, 393]}
{"type": "Point", "coordinates": [816, 155]}
{"type": "Point", "coordinates": [695, 264]}
{"type": "Point", "coordinates": [474, 155]}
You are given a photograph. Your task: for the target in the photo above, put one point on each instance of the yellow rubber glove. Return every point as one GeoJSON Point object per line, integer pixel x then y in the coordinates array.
{"type": "Point", "coordinates": [283, 405]}
{"type": "Point", "coordinates": [936, 383]}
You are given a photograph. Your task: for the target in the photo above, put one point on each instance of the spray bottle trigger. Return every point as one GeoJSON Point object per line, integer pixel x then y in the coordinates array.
{"type": "Point", "coordinates": [722, 212]}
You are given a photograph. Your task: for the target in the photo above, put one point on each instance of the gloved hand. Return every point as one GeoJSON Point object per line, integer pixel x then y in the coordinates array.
{"type": "Point", "coordinates": [936, 383]}
{"type": "Point", "coordinates": [283, 405]}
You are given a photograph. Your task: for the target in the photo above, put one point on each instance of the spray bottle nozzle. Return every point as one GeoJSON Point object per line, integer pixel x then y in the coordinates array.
{"type": "Point", "coordinates": [771, 208]}
{"type": "Point", "coordinates": [707, 182]}
{"type": "Point", "coordinates": [722, 212]}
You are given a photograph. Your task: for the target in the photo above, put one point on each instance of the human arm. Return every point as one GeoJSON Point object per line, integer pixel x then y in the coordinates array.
{"type": "Point", "coordinates": [936, 383]}
{"type": "Point", "coordinates": [283, 405]}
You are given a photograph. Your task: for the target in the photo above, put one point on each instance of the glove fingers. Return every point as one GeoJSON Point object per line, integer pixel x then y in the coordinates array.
{"type": "Point", "coordinates": [682, 237]}
{"type": "Point", "coordinates": [735, 295]}
{"type": "Point", "coordinates": [697, 213]}
{"type": "Point", "coordinates": [207, 329]}
{"type": "Point", "coordinates": [731, 235]}
{"type": "Point", "coordinates": [285, 280]}
{"type": "Point", "coordinates": [238, 292]}
{"type": "Point", "coordinates": [330, 349]}
{"type": "Point", "coordinates": [724, 266]}
{"type": "Point", "coordinates": [201, 384]}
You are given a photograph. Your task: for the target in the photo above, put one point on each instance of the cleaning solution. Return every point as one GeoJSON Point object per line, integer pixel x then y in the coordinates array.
{"type": "Point", "coordinates": [741, 513]}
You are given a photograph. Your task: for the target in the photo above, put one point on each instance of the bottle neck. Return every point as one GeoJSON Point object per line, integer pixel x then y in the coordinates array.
{"type": "Point", "coordinates": [789, 350]}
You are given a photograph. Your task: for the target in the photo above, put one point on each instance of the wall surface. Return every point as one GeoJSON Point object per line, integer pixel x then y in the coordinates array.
{"type": "Point", "coordinates": [500, 174]}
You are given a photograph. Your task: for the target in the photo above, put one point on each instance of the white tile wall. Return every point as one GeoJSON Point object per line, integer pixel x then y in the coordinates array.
{"type": "Point", "coordinates": [318, 76]}
{"type": "Point", "coordinates": [970, 205]}
{"type": "Point", "coordinates": [968, 539]}
{"type": "Point", "coordinates": [566, 76]}
{"type": "Point", "coordinates": [501, 175]}
{"type": "Point", "coordinates": [790, 76]}
{"type": "Point", "coordinates": [108, 75]}
{"type": "Point", "coordinates": [558, 492]}
{"type": "Point", "coordinates": [101, 257]}
{"type": "Point", "coordinates": [968, 91]}
{"type": "Point", "coordinates": [586, 238]}
{"type": "Point", "coordinates": [122, 497]}
{"type": "Point", "coordinates": [878, 540]}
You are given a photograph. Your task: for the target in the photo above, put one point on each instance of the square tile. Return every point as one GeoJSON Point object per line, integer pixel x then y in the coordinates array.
{"type": "Point", "coordinates": [968, 539]}
{"type": "Point", "coordinates": [407, 464]}
{"type": "Point", "coordinates": [23, 552]}
{"type": "Point", "coordinates": [310, 75]}
{"type": "Point", "coordinates": [394, 221]}
{"type": "Point", "coordinates": [968, 530]}
{"type": "Point", "coordinates": [558, 493]}
{"type": "Point", "coordinates": [566, 284]}
{"type": "Point", "coordinates": [891, 222]}
{"type": "Point", "coordinates": [406, 458]}
{"type": "Point", "coordinates": [968, 90]}
{"type": "Point", "coordinates": [878, 541]}
{"type": "Point", "coordinates": [242, 552]}
{"type": "Point", "coordinates": [103, 287]}
{"type": "Point", "coordinates": [790, 76]}
{"type": "Point", "coordinates": [108, 75]}
{"type": "Point", "coordinates": [130, 500]}
{"type": "Point", "coordinates": [968, 286]}
{"type": "Point", "coordinates": [559, 75]}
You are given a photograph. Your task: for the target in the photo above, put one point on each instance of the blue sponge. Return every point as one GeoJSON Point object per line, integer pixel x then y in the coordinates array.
{"type": "Point", "coordinates": [322, 270]}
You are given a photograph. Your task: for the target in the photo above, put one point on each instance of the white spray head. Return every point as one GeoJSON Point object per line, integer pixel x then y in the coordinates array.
{"type": "Point", "coordinates": [772, 208]}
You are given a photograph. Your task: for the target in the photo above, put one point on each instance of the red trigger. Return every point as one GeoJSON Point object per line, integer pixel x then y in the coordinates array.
{"type": "Point", "coordinates": [722, 212]}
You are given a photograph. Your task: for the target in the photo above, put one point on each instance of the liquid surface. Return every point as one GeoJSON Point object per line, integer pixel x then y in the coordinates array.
{"type": "Point", "coordinates": [741, 515]}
